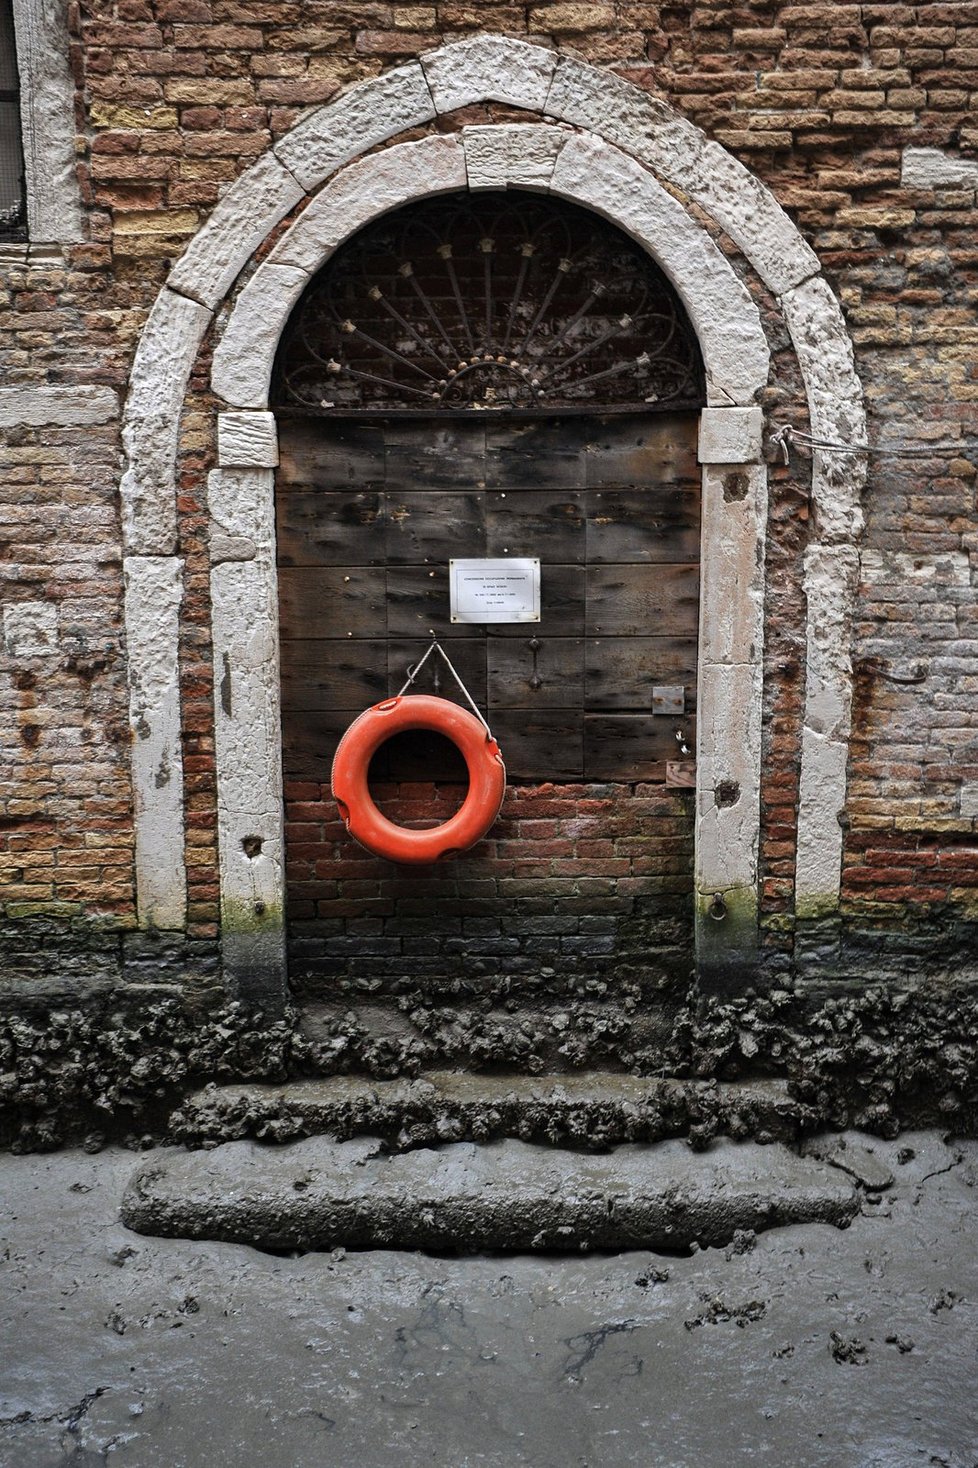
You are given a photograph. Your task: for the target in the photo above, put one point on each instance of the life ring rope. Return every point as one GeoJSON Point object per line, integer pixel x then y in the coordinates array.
{"type": "Point", "coordinates": [471, 736]}
{"type": "Point", "coordinates": [412, 673]}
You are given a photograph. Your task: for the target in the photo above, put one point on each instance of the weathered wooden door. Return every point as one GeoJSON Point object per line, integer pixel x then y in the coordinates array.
{"type": "Point", "coordinates": [602, 690]}
{"type": "Point", "coordinates": [369, 516]}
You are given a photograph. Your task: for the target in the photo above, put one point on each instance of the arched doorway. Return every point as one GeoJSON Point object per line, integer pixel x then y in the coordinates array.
{"type": "Point", "coordinates": [494, 377]}
{"type": "Point", "coordinates": [602, 143]}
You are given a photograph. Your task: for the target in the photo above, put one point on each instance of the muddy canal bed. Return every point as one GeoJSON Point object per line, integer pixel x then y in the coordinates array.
{"type": "Point", "coordinates": [808, 1345]}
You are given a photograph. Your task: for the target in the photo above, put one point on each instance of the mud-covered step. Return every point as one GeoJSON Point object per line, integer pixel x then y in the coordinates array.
{"type": "Point", "coordinates": [591, 1110]}
{"type": "Point", "coordinates": [497, 1024]}
{"type": "Point", "coordinates": [465, 1197]}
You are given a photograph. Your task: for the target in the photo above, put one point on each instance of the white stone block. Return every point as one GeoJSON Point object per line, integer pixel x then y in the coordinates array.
{"type": "Point", "coordinates": [821, 341]}
{"type": "Point", "coordinates": [821, 801]}
{"type": "Point", "coordinates": [62, 407]}
{"type": "Point", "coordinates": [623, 114]}
{"type": "Point", "coordinates": [30, 628]}
{"type": "Point", "coordinates": [728, 776]}
{"type": "Point", "coordinates": [512, 155]}
{"type": "Point", "coordinates": [360, 193]}
{"type": "Point", "coordinates": [223, 547]}
{"type": "Point", "coordinates": [248, 743]}
{"type": "Point", "coordinates": [730, 435]}
{"type": "Point", "coordinates": [244, 356]}
{"type": "Point", "coordinates": [47, 117]}
{"type": "Point", "coordinates": [153, 591]}
{"type": "Point", "coordinates": [244, 217]}
{"type": "Point", "coordinates": [242, 505]}
{"type": "Point", "coordinates": [932, 168]}
{"type": "Point", "coordinates": [969, 798]}
{"type": "Point", "coordinates": [902, 568]}
{"type": "Point", "coordinates": [366, 115]}
{"type": "Point", "coordinates": [732, 565]}
{"type": "Point", "coordinates": [831, 577]}
{"type": "Point", "coordinates": [725, 319]}
{"type": "Point", "coordinates": [245, 632]}
{"type": "Point", "coordinates": [247, 440]}
{"type": "Point", "coordinates": [489, 69]}
{"type": "Point", "coordinates": [752, 217]}
{"type": "Point", "coordinates": [151, 422]}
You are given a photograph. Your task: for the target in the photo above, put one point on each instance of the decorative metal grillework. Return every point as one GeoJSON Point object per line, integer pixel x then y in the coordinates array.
{"type": "Point", "coordinates": [491, 301]}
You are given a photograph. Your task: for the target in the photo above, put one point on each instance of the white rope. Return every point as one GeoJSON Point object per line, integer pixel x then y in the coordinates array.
{"type": "Point", "coordinates": [413, 673]}
{"type": "Point", "coordinates": [784, 436]}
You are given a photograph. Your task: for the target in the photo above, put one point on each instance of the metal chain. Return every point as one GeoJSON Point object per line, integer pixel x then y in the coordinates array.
{"type": "Point", "coordinates": [416, 669]}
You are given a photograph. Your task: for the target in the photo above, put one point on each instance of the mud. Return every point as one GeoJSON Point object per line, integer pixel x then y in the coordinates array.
{"type": "Point", "coordinates": [469, 1198]}
{"type": "Point", "coordinates": [804, 1346]}
{"type": "Point", "coordinates": [880, 1059]}
{"type": "Point", "coordinates": [587, 1112]}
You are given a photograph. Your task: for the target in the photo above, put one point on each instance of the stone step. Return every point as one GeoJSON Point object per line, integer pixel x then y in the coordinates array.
{"type": "Point", "coordinates": [467, 1198]}
{"type": "Point", "coordinates": [588, 1110]}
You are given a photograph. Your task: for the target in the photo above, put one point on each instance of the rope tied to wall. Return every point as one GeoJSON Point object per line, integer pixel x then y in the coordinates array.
{"type": "Point", "coordinates": [785, 437]}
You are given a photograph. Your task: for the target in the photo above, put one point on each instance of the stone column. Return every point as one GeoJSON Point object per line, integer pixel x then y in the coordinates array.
{"type": "Point", "coordinates": [729, 695]}
{"type": "Point", "coordinates": [247, 723]}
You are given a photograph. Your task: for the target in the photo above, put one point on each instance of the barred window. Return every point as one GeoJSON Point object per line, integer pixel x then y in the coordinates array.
{"type": "Point", "coordinates": [13, 202]}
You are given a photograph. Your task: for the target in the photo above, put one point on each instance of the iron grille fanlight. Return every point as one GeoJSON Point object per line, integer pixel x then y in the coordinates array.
{"type": "Point", "coordinates": [492, 301]}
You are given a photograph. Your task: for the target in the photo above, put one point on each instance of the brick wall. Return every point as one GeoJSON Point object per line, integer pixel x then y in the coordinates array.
{"type": "Point", "coordinates": [176, 99]}
{"type": "Point", "coordinates": [569, 878]}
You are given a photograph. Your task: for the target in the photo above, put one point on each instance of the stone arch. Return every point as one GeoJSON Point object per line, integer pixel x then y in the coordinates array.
{"type": "Point", "coordinates": [604, 144]}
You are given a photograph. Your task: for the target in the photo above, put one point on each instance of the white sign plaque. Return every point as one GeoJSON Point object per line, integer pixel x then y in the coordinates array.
{"type": "Point", "coordinates": [507, 590]}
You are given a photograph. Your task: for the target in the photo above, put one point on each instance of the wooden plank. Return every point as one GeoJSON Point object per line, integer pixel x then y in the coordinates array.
{"type": "Point", "coordinates": [630, 746]}
{"type": "Point", "coordinates": [661, 523]}
{"type": "Point", "coordinates": [468, 658]}
{"type": "Point", "coordinates": [544, 523]}
{"type": "Point", "coordinates": [333, 674]}
{"type": "Point", "coordinates": [329, 529]}
{"type": "Point", "coordinates": [425, 527]}
{"type": "Point", "coordinates": [538, 454]}
{"type": "Point", "coordinates": [418, 605]}
{"type": "Point", "coordinates": [309, 742]}
{"type": "Point", "coordinates": [620, 672]}
{"type": "Point", "coordinates": [548, 745]}
{"type": "Point", "coordinates": [561, 606]}
{"type": "Point", "coordinates": [559, 665]}
{"type": "Point", "coordinates": [419, 754]}
{"type": "Point", "coordinates": [681, 774]}
{"type": "Point", "coordinates": [634, 601]}
{"type": "Point", "coordinates": [429, 455]}
{"type": "Point", "coordinates": [332, 601]}
{"type": "Point", "coordinates": [642, 451]}
{"type": "Point", "coordinates": [331, 456]}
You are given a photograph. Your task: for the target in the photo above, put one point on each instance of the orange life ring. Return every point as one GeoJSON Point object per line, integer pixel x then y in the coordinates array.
{"type": "Point", "coordinates": [366, 824]}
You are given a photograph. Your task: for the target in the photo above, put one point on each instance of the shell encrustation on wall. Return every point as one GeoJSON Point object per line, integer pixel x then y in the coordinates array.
{"type": "Point", "coordinates": [491, 301]}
